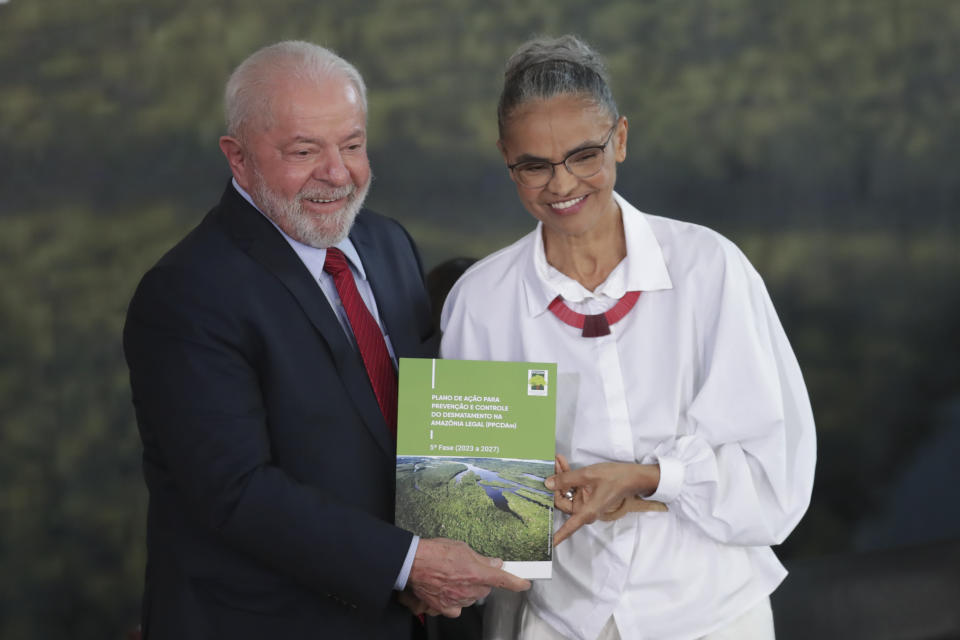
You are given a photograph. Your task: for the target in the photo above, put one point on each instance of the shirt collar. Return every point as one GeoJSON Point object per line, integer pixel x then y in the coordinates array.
{"type": "Point", "coordinates": [312, 257]}
{"type": "Point", "coordinates": [643, 268]}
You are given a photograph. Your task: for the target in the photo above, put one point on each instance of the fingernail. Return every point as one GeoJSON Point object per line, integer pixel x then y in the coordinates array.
{"type": "Point", "coordinates": [549, 482]}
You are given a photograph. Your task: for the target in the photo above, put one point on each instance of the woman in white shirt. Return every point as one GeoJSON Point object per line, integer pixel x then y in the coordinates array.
{"type": "Point", "coordinates": [685, 437]}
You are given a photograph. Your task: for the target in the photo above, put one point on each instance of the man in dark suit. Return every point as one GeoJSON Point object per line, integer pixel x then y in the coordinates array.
{"type": "Point", "coordinates": [267, 433]}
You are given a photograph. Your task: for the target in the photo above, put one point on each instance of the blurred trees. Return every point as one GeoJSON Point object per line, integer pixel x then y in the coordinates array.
{"type": "Point", "coordinates": [873, 318]}
{"type": "Point", "coordinates": [72, 502]}
{"type": "Point", "coordinates": [781, 114]}
{"type": "Point", "coordinates": [819, 135]}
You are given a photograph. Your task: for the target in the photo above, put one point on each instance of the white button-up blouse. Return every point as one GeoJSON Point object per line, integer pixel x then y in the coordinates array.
{"type": "Point", "coordinates": [698, 377]}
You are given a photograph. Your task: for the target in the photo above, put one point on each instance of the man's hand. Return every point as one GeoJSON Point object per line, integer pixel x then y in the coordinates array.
{"type": "Point", "coordinates": [417, 606]}
{"type": "Point", "coordinates": [604, 491]}
{"type": "Point", "coordinates": [448, 575]}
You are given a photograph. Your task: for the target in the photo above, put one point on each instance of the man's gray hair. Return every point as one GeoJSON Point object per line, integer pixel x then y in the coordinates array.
{"type": "Point", "coordinates": [548, 67]}
{"type": "Point", "coordinates": [250, 87]}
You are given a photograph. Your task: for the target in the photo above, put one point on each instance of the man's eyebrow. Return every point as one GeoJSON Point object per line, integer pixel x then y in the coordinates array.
{"type": "Point", "coordinates": [356, 133]}
{"type": "Point", "coordinates": [302, 139]}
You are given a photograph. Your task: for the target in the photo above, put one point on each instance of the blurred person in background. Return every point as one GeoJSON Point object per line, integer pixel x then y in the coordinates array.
{"type": "Point", "coordinates": [441, 279]}
{"type": "Point", "coordinates": [262, 354]}
{"type": "Point", "coordinates": [685, 438]}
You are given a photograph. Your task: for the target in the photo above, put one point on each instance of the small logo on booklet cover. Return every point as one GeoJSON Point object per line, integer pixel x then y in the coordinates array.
{"type": "Point", "coordinates": [537, 382]}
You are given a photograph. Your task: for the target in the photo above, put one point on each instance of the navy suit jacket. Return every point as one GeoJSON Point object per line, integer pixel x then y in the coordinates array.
{"type": "Point", "coordinates": [269, 466]}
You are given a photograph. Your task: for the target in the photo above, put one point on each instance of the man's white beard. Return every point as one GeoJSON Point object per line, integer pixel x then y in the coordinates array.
{"type": "Point", "coordinates": [316, 231]}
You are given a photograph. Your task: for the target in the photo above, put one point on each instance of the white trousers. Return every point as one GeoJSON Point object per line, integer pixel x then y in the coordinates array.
{"type": "Point", "coordinates": [523, 624]}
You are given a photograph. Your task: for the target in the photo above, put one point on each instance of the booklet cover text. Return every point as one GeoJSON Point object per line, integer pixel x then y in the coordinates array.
{"type": "Point", "coordinates": [475, 441]}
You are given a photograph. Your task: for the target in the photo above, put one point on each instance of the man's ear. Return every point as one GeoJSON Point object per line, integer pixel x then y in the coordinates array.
{"type": "Point", "coordinates": [236, 156]}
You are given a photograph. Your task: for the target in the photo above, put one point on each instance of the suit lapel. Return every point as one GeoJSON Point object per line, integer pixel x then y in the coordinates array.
{"type": "Point", "coordinates": [258, 238]}
{"type": "Point", "coordinates": [392, 309]}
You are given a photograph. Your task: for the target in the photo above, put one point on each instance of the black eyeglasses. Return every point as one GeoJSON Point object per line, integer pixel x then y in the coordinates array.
{"type": "Point", "coordinates": [582, 163]}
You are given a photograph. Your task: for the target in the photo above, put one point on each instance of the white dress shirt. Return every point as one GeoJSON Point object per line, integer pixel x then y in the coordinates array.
{"type": "Point", "coordinates": [698, 377]}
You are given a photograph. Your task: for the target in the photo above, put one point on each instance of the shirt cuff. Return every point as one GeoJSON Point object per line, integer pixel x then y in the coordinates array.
{"type": "Point", "coordinates": [401, 582]}
{"type": "Point", "coordinates": [671, 480]}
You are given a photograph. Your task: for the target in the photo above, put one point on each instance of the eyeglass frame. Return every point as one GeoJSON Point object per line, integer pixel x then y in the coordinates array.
{"type": "Point", "coordinates": [553, 165]}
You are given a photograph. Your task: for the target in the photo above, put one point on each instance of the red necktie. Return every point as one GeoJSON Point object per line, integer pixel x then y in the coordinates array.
{"type": "Point", "coordinates": [373, 348]}
{"type": "Point", "coordinates": [595, 325]}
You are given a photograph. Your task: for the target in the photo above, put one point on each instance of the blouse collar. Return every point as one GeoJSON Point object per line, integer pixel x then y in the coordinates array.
{"type": "Point", "coordinates": [643, 268]}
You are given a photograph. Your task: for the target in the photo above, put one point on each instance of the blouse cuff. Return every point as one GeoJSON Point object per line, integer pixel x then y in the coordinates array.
{"type": "Point", "coordinates": [671, 480]}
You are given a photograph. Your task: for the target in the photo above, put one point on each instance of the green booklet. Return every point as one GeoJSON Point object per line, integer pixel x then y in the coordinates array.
{"type": "Point", "coordinates": [475, 441]}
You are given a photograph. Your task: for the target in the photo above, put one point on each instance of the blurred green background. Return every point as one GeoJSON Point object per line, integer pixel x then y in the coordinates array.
{"type": "Point", "coordinates": [820, 136]}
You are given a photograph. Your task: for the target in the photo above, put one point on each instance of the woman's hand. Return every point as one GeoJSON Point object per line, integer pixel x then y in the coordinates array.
{"type": "Point", "coordinates": [603, 491]}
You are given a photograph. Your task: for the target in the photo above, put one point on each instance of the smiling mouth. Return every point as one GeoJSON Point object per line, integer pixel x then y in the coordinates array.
{"type": "Point", "coordinates": [331, 197]}
{"type": "Point", "coordinates": [566, 204]}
